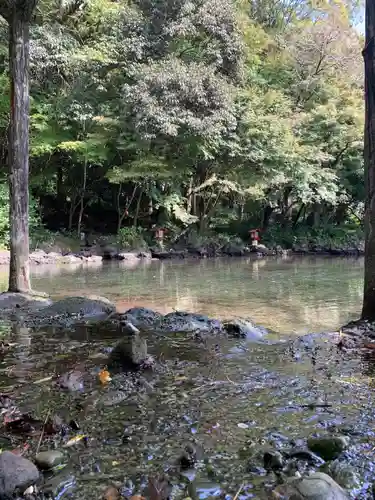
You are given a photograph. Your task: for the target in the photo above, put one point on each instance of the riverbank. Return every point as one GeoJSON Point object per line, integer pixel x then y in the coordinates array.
{"type": "Point", "coordinates": [95, 254]}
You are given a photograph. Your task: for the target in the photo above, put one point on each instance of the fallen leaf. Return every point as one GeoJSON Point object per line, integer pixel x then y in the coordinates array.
{"type": "Point", "coordinates": [74, 440]}
{"type": "Point", "coordinates": [137, 497]}
{"type": "Point", "coordinates": [241, 425]}
{"type": "Point", "coordinates": [104, 376]}
{"type": "Point", "coordinates": [41, 380]}
{"type": "Point", "coordinates": [111, 493]}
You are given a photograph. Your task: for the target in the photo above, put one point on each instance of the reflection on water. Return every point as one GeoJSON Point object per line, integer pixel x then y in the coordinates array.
{"type": "Point", "coordinates": [285, 294]}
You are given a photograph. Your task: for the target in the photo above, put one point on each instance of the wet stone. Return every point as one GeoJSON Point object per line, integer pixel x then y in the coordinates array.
{"type": "Point", "coordinates": [242, 328]}
{"type": "Point", "coordinates": [306, 455]}
{"type": "Point", "coordinates": [273, 460]}
{"type": "Point", "coordinates": [328, 447]}
{"type": "Point", "coordinates": [141, 317]}
{"type": "Point", "coordinates": [318, 486]}
{"type": "Point", "coordinates": [48, 459]}
{"type": "Point", "coordinates": [16, 474]}
{"type": "Point", "coordinates": [129, 354]}
{"type": "Point", "coordinates": [343, 473]}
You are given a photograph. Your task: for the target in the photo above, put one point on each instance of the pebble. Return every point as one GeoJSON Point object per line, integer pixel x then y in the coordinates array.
{"type": "Point", "coordinates": [328, 447]}
{"type": "Point", "coordinates": [49, 459]}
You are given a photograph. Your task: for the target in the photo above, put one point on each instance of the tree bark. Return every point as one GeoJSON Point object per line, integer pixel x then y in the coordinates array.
{"type": "Point", "coordinates": [368, 310]}
{"type": "Point", "coordinates": [19, 275]}
{"type": "Point", "coordinates": [82, 199]}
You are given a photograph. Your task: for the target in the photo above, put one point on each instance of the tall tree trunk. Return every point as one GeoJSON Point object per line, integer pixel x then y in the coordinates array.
{"type": "Point", "coordinates": [19, 275]}
{"type": "Point", "coordinates": [82, 200]}
{"type": "Point", "coordinates": [368, 310]}
{"type": "Point", "coordinates": [137, 208]}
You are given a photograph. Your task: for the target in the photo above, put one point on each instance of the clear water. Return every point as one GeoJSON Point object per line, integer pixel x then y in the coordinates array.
{"type": "Point", "coordinates": [200, 392]}
{"type": "Point", "coordinates": [287, 295]}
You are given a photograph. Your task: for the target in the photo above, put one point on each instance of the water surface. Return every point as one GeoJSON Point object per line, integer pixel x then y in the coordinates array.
{"type": "Point", "coordinates": [287, 295]}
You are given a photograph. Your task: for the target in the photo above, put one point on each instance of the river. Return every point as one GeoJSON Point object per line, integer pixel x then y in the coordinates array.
{"type": "Point", "coordinates": [228, 398]}
{"type": "Point", "coordinates": [287, 295]}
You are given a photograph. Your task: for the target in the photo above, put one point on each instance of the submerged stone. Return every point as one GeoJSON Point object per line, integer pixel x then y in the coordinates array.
{"type": "Point", "coordinates": [48, 459]}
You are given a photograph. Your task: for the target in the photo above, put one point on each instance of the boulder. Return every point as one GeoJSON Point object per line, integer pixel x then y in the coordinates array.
{"type": "Point", "coordinates": [302, 248]}
{"type": "Point", "coordinates": [170, 254]}
{"type": "Point", "coordinates": [318, 486]}
{"type": "Point", "coordinates": [71, 310]}
{"type": "Point", "coordinates": [343, 473]}
{"type": "Point", "coordinates": [13, 304]}
{"type": "Point", "coordinates": [109, 253]}
{"type": "Point", "coordinates": [144, 255]}
{"type": "Point", "coordinates": [328, 447]}
{"type": "Point", "coordinates": [70, 259]}
{"type": "Point", "coordinates": [179, 321]}
{"type": "Point", "coordinates": [261, 249]}
{"type": "Point", "coordinates": [242, 328]}
{"type": "Point", "coordinates": [129, 354]}
{"type": "Point", "coordinates": [93, 258]}
{"type": "Point", "coordinates": [141, 317]}
{"type": "Point", "coordinates": [235, 249]}
{"type": "Point", "coordinates": [128, 256]}
{"type": "Point", "coordinates": [16, 474]}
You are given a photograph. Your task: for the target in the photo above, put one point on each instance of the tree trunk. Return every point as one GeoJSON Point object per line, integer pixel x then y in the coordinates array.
{"type": "Point", "coordinates": [83, 193]}
{"type": "Point", "coordinates": [19, 275]}
{"type": "Point", "coordinates": [368, 310]}
{"type": "Point", "coordinates": [137, 208]}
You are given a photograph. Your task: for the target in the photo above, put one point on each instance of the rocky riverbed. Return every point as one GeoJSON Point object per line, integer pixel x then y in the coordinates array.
{"type": "Point", "coordinates": [98, 404]}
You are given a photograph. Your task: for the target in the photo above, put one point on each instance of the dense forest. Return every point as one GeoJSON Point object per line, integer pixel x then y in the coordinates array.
{"type": "Point", "coordinates": [208, 117]}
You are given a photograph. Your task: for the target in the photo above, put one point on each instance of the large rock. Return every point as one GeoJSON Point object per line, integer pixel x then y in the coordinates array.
{"type": "Point", "coordinates": [16, 474]}
{"type": "Point", "coordinates": [141, 317]}
{"type": "Point", "coordinates": [242, 328]}
{"type": "Point", "coordinates": [72, 310]}
{"type": "Point", "coordinates": [129, 354]}
{"type": "Point", "coordinates": [318, 486]}
{"type": "Point", "coordinates": [179, 321]}
{"type": "Point", "coordinates": [18, 303]}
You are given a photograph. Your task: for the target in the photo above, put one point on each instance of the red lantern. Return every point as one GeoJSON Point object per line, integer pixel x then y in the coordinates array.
{"type": "Point", "coordinates": [254, 234]}
{"type": "Point", "coordinates": [159, 233]}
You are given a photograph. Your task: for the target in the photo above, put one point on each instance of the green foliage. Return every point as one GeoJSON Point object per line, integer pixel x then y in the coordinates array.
{"type": "Point", "coordinates": [37, 232]}
{"type": "Point", "coordinates": [214, 110]}
{"type": "Point", "coordinates": [131, 238]}
{"type": "Point", "coordinates": [328, 237]}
